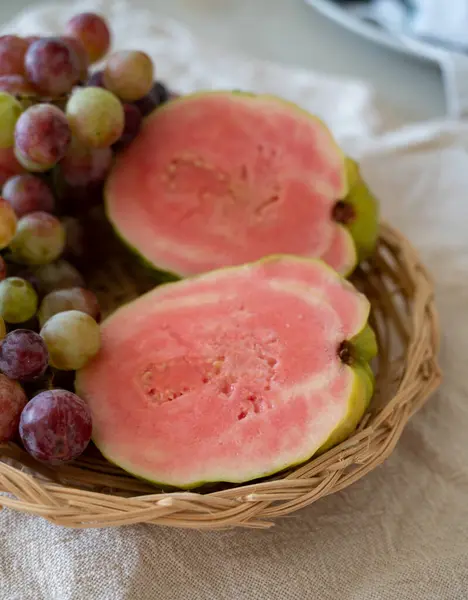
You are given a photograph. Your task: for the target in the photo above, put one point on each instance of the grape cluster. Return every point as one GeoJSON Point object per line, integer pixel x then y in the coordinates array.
{"type": "Point", "coordinates": [61, 124]}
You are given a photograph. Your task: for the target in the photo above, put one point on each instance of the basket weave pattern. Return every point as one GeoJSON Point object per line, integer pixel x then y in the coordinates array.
{"type": "Point", "coordinates": [93, 493]}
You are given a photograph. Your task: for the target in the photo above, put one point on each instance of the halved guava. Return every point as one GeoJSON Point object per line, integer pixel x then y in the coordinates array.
{"type": "Point", "coordinates": [231, 375]}
{"type": "Point", "coordinates": [218, 179]}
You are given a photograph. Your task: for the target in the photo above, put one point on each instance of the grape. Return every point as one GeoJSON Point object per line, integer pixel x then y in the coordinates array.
{"type": "Point", "coordinates": [18, 300]}
{"type": "Point", "coordinates": [52, 66]}
{"type": "Point", "coordinates": [28, 193]}
{"type": "Point", "coordinates": [42, 135]}
{"type": "Point", "coordinates": [8, 223]}
{"type": "Point", "coordinates": [93, 33]}
{"type": "Point", "coordinates": [158, 95]}
{"type": "Point", "coordinates": [28, 164]}
{"type": "Point", "coordinates": [72, 338]}
{"type": "Point", "coordinates": [75, 239]}
{"type": "Point", "coordinates": [132, 126]}
{"type": "Point", "coordinates": [58, 275]}
{"type": "Point", "coordinates": [56, 426]}
{"type": "Point", "coordinates": [70, 299]}
{"type": "Point", "coordinates": [81, 53]}
{"type": "Point", "coordinates": [39, 239]}
{"type": "Point", "coordinates": [3, 330]}
{"type": "Point", "coordinates": [81, 175]}
{"type": "Point", "coordinates": [96, 117]}
{"type": "Point", "coordinates": [82, 165]}
{"type": "Point", "coordinates": [96, 79]}
{"type": "Point", "coordinates": [129, 74]}
{"type": "Point", "coordinates": [3, 269]}
{"type": "Point", "coordinates": [32, 38]}
{"type": "Point", "coordinates": [31, 278]}
{"type": "Point", "coordinates": [12, 401]}
{"type": "Point", "coordinates": [23, 355]}
{"type": "Point", "coordinates": [17, 86]}
{"type": "Point", "coordinates": [10, 110]}
{"type": "Point", "coordinates": [12, 53]}
{"type": "Point", "coordinates": [9, 165]}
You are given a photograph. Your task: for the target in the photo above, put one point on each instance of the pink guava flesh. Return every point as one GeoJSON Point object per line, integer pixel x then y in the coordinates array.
{"type": "Point", "coordinates": [221, 179]}
{"type": "Point", "coordinates": [225, 377]}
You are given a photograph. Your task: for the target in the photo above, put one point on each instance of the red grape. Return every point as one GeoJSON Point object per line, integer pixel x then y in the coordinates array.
{"type": "Point", "coordinates": [23, 355]}
{"type": "Point", "coordinates": [96, 79]}
{"type": "Point", "coordinates": [81, 176]}
{"type": "Point", "coordinates": [17, 85]}
{"type": "Point", "coordinates": [12, 401]}
{"type": "Point", "coordinates": [12, 53]}
{"type": "Point", "coordinates": [52, 66]}
{"type": "Point", "coordinates": [8, 223]}
{"type": "Point", "coordinates": [58, 275]}
{"type": "Point", "coordinates": [82, 166]}
{"type": "Point", "coordinates": [75, 239]}
{"type": "Point", "coordinates": [81, 53]}
{"type": "Point", "coordinates": [3, 269]}
{"type": "Point", "coordinates": [9, 165]}
{"type": "Point", "coordinates": [132, 126]}
{"type": "Point", "coordinates": [42, 135]}
{"type": "Point", "coordinates": [28, 193]}
{"type": "Point", "coordinates": [56, 426]}
{"type": "Point", "coordinates": [92, 31]}
{"type": "Point", "coordinates": [76, 298]}
{"type": "Point", "coordinates": [158, 95]}
{"type": "Point", "coordinates": [28, 164]}
{"type": "Point", "coordinates": [32, 38]}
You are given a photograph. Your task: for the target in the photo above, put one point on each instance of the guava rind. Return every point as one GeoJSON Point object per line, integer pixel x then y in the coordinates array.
{"type": "Point", "coordinates": [364, 228]}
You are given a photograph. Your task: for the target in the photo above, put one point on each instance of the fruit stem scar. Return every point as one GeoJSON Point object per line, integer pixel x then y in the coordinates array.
{"type": "Point", "coordinates": [345, 352]}
{"type": "Point", "coordinates": [343, 212]}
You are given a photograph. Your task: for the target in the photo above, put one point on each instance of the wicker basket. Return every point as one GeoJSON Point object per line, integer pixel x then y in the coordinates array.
{"type": "Point", "coordinates": [93, 493]}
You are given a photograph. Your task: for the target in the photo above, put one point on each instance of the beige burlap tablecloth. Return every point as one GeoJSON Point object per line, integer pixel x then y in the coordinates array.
{"type": "Point", "coordinates": [401, 532]}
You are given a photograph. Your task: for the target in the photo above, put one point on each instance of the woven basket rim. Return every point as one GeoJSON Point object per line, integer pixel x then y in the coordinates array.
{"type": "Point", "coordinates": [413, 317]}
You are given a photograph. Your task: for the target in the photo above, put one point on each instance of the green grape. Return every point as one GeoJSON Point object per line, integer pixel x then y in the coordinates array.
{"type": "Point", "coordinates": [2, 328]}
{"type": "Point", "coordinates": [10, 110]}
{"type": "Point", "coordinates": [18, 300]}
{"type": "Point", "coordinates": [96, 117]}
{"type": "Point", "coordinates": [72, 339]}
{"type": "Point", "coordinates": [69, 299]}
{"type": "Point", "coordinates": [39, 239]}
{"type": "Point", "coordinates": [8, 223]}
{"type": "Point", "coordinates": [58, 275]}
{"type": "Point", "coordinates": [129, 74]}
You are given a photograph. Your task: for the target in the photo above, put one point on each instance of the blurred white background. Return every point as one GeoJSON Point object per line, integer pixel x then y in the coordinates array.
{"type": "Point", "coordinates": [290, 32]}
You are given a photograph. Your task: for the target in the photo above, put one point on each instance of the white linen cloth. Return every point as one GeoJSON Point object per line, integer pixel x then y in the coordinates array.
{"type": "Point", "coordinates": [402, 531]}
